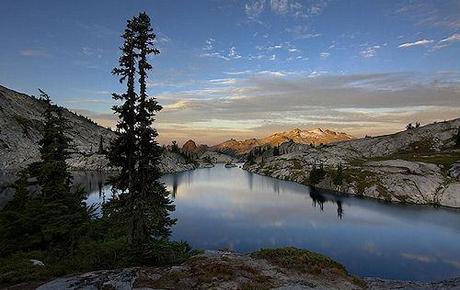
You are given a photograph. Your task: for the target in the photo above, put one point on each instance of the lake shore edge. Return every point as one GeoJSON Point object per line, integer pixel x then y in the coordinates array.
{"type": "Point", "coordinates": [280, 268]}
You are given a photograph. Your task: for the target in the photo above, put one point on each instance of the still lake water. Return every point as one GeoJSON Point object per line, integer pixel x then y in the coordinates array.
{"type": "Point", "coordinates": [230, 208]}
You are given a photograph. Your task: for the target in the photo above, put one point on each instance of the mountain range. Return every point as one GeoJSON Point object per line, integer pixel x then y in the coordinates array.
{"type": "Point", "coordinates": [310, 136]}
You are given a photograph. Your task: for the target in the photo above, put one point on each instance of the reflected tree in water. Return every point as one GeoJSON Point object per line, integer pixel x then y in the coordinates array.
{"type": "Point", "coordinates": [319, 199]}
{"type": "Point", "coordinates": [175, 184]}
{"type": "Point", "coordinates": [339, 209]}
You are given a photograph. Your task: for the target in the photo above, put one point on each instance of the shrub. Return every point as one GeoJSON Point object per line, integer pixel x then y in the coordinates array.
{"type": "Point", "coordinates": [338, 178]}
{"type": "Point", "coordinates": [317, 174]}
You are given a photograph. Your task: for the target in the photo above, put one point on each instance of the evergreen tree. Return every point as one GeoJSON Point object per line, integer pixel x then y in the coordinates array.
{"type": "Point", "coordinates": [251, 158]}
{"type": "Point", "coordinates": [122, 151]}
{"type": "Point", "coordinates": [143, 200]}
{"type": "Point", "coordinates": [338, 179]}
{"type": "Point", "coordinates": [174, 147]}
{"type": "Point", "coordinates": [52, 216]}
{"type": "Point", "coordinates": [150, 189]}
{"type": "Point", "coordinates": [317, 174]}
{"type": "Point", "coordinates": [101, 146]}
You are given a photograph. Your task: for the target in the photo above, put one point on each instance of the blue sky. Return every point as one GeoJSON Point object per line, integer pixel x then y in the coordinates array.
{"type": "Point", "coordinates": [246, 68]}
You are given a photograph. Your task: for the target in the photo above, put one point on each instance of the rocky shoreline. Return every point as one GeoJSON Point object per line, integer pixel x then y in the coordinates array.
{"type": "Point", "coordinates": [419, 166]}
{"type": "Point", "coordinates": [397, 181]}
{"type": "Point", "coordinates": [284, 268]}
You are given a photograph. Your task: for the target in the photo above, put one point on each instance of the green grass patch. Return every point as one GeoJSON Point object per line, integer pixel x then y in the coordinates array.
{"type": "Point", "coordinates": [304, 261]}
{"type": "Point", "coordinates": [444, 158]}
{"type": "Point", "coordinates": [299, 260]}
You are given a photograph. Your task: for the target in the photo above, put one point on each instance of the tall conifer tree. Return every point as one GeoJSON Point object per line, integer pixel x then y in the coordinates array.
{"type": "Point", "coordinates": [144, 201]}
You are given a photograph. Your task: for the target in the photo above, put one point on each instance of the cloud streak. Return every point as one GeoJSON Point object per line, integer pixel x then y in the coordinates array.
{"type": "Point", "coordinates": [416, 43]}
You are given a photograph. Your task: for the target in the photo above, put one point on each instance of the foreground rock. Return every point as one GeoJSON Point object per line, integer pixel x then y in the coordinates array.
{"type": "Point", "coordinates": [284, 268]}
{"type": "Point", "coordinates": [267, 269]}
{"type": "Point", "coordinates": [415, 166]}
{"type": "Point", "coordinates": [380, 284]}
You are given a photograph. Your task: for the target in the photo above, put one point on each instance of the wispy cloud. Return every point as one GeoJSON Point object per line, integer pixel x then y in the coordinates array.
{"type": "Point", "coordinates": [416, 43]}
{"type": "Point", "coordinates": [447, 41]}
{"type": "Point", "coordinates": [254, 8]}
{"type": "Point", "coordinates": [209, 44]}
{"type": "Point", "coordinates": [209, 50]}
{"type": "Point", "coordinates": [419, 258]}
{"type": "Point", "coordinates": [432, 13]}
{"type": "Point", "coordinates": [34, 52]}
{"type": "Point", "coordinates": [291, 8]}
{"type": "Point", "coordinates": [280, 6]}
{"type": "Point", "coordinates": [324, 55]}
{"type": "Point", "coordinates": [302, 32]}
{"type": "Point", "coordinates": [244, 72]}
{"type": "Point", "coordinates": [233, 53]}
{"type": "Point", "coordinates": [452, 38]}
{"type": "Point", "coordinates": [370, 51]}
{"type": "Point", "coordinates": [216, 55]}
{"type": "Point", "coordinates": [226, 81]}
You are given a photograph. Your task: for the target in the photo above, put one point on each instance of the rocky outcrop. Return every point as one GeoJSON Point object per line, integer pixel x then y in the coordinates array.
{"type": "Point", "coordinates": [189, 146]}
{"type": "Point", "coordinates": [172, 162]}
{"type": "Point", "coordinates": [212, 270]}
{"type": "Point", "coordinates": [21, 125]}
{"type": "Point", "coordinates": [93, 162]}
{"type": "Point", "coordinates": [414, 166]}
{"type": "Point", "coordinates": [454, 171]}
{"type": "Point", "coordinates": [449, 195]}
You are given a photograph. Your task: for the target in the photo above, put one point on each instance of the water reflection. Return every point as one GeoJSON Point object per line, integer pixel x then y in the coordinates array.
{"type": "Point", "coordinates": [231, 208]}
{"type": "Point", "coordinates": [175, 182]}
{"type": "Point", "coordinates": [318, 199]}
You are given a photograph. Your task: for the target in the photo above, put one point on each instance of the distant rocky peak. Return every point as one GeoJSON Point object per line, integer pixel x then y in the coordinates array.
{"type": "Point", "coordinates": [190, 145]}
